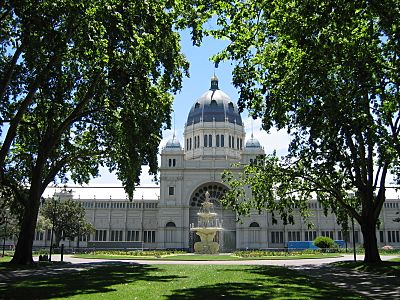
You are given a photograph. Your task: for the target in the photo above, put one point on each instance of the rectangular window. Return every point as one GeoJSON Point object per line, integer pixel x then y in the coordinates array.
{"type": "Point", "coordinates": [241, 144]}
{"type": "Point", "coordinates": [276, 237]}
{"type": "Point", "coordinates": [132, 235]}
{"type": "Point", "coordinates": [149, 236]}
{"type": "Point", "coordinates": [381, 237]}
{"type": "Point", "coordinates": [294, 236]}
{"type": "Point", "coordinates": [83, 238]}
{"type": "Point", "coordinates": [210, 141]}
{"type": "Point", "coordinates": [101, 235]}
{"type": "Point", "coordinates": [237, 143]}
{"type": "Point", "coordinates": [393, 236]}
{"type": "Point", "coordinates": [116, 235]}
{"type": "Point", "coordinates": [222, 140]}
{"type": "Point", "coordinates": [310, 235]}
{"type": "Point", "coordinates": [174, 162]}
{"type": "Point", "coordinates": [171, 190]}
{"type": "Point", "coordinates": [356, 237]}
{"type": "Point", "coordinates": [254, 235]}
{"type": "Point", "coordinates": [327, 234]}
{"type": "Point", "coordinates": [205, 140]}
{"type": "Point", "coordinates": [217, 140]}
{"type": "Point", "coordinates": [39, 235]}
{"type": "Point", "coordinates": [229, 142]}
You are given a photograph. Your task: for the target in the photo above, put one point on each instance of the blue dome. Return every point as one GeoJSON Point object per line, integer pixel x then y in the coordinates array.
{"type": "Point", "coordinates": [173, 144]}
{"type": "Point", "coordinates": [253, 143]}
{"type": "Point", "coordinates": [214, 105]}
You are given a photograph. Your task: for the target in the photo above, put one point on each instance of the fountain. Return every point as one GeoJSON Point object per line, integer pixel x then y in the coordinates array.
{"type": "Point", "coordinates": [208, 225]}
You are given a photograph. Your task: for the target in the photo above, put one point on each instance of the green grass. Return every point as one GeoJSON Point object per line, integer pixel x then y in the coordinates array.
{"type": "Point", "coordinates": [5, 258]}
{"type": "Point", "coordinates": [131, 281]}
{"type": "Point", "coordinates": [395, 259]}
{"type": "Point", "coordinates": [391, 267]}
{"type": "Point", "coordinates": [194, 257]}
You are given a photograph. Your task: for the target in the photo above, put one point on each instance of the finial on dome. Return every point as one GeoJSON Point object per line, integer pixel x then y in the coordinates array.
{"type": "Point", "coordinates": [214, 82]}
{"type": "Point", "coordinates": [252, 136]}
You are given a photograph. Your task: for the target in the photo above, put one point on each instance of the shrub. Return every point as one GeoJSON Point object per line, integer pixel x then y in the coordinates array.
{"type": "Point", "coordinates": [324, 242]}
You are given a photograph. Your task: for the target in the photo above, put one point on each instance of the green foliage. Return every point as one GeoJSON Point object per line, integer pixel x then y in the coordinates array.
{"type": "Point", "coordinates": [327, 72]}
{"type": "Point", "coordinates": [262, 253]}
{"type": "Point", "coordinates": [82, 85]}
{"type": "Point", "coordinates": [324, 242]}
{"type": "Point", "coordinates": [149, 253]}
{"type": "Point", "coordinates": [9, 224]}
{"type": "Point", "coordinates": [68, 217]}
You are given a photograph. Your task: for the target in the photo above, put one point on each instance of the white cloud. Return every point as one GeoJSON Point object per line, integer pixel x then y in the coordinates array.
{"type": "Point", "coordinates": [274, 140]}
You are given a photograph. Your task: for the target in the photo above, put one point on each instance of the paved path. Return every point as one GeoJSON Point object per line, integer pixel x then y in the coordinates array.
{"type": "Point", "coordinates": [370, 285]}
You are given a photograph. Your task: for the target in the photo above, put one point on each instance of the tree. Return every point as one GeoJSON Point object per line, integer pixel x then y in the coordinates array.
{"type": "Point", "coordinates": [67, 217]}
{"type": "Point", "coordinates": [328, 72]}
{"type": "Point", "coordinates": [83, 84]}
{"type": "Point", "coordinates": [9, 226]}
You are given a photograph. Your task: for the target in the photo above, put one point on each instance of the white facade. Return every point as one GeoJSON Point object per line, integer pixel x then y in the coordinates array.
{"type": "Point", "coordinates": [214, 139]}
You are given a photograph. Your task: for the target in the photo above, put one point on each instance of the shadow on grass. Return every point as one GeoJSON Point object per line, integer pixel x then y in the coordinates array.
{"type": "Point", "coordinates": [270, 283]}
{"type": "Point", "coordinates": [98, 278]}
{"type": "Point", "coordinates": [391, 268]}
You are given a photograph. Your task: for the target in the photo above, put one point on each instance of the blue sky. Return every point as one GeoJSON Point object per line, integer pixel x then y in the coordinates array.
{"type": "Point", "coordinates": [201, 69]}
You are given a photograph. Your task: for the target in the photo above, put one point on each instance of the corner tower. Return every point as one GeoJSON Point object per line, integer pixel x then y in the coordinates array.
{"type": "Point", "coordinates": [214, 129]}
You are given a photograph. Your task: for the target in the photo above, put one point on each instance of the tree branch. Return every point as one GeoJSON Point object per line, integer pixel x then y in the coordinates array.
{"type": "Point", "coordinates": [8, 75]}
{"type": "Point", "coordinates": [12, 130]}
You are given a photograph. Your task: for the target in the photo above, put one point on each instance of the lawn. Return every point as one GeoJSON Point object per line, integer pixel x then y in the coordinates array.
{"type": "Point", "coordinates": [5, 258]}
{"type": "Point", "coordinates": [205, 257]}
{"type": "Point", "coordinates": [131, 281]}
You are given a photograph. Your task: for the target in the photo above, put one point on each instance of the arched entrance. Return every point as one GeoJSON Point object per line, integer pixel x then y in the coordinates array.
{"type": "Point", "coordinates": [226, 238]}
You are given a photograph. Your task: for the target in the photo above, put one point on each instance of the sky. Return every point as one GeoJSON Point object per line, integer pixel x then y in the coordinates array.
{"type": "Point", "coordinates": [201, 69]}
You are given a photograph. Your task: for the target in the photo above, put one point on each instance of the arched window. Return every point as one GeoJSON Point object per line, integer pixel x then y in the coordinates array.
{"type": "Point", "coordinates": [254, 224]}
{"type": "Point", "coordinates": [170, 224]}
{"type": "Point", "coordinates": [170, 232]}
{"type": "Point", "coordinates": [205, 140]}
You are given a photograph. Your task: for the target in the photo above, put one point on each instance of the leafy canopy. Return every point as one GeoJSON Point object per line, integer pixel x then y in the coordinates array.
{"type": "Point", "coordinates": [328, 72]}
{"type": "Point", "coordinates": [67, 217]}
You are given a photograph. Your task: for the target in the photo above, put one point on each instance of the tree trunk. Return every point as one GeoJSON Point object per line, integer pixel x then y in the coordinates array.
{"type": "Point", "coordinates": [368, 229]}
{"type": "Point", "coordinates": [23, 251]}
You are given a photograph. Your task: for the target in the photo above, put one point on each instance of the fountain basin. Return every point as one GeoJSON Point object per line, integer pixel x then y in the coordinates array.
{"type": "Point", "coordinates": [206, 234]}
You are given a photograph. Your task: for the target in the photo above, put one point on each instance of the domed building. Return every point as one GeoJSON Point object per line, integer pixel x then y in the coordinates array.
{"type": "Point", "coordinates": [161, 217]}
{"type": "Point", "coordinates": [214, 138]}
